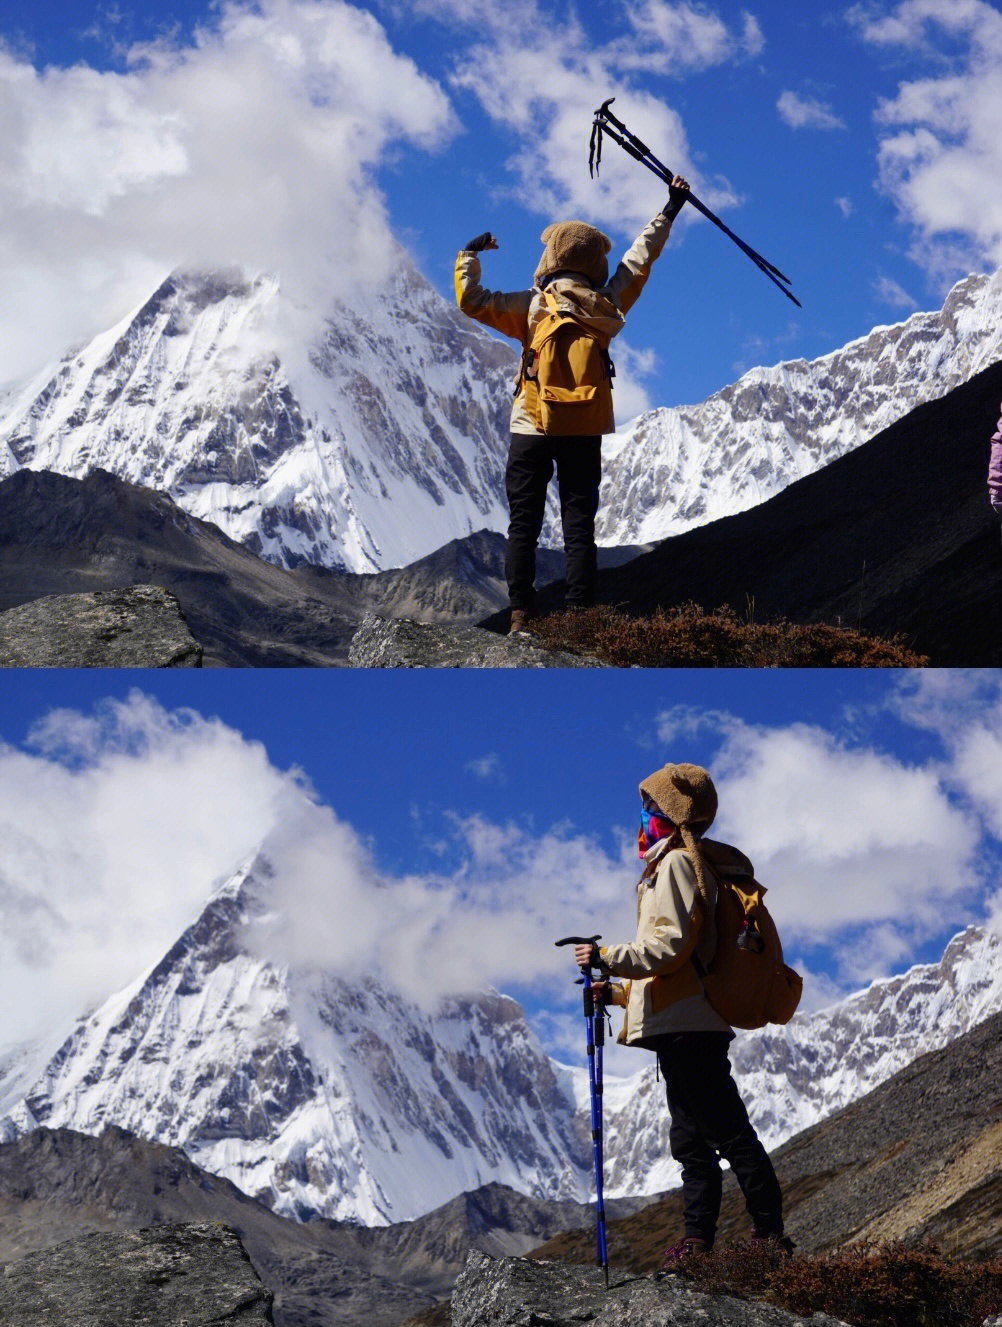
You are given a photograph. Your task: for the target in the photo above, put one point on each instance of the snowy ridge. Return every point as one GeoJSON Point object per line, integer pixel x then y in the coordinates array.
{"type": "Point", "coordinates": [791, 1077]}
{"type": "Point", "coordinates": [369, 434]}
{"type": "Point", "coordinates": [346, 1100]}
{"type": "Point", "coordinates": [363, 438]}
{"type": "Point", "coordinates": [678, 467]}
{"type": "Point", "coordinates": [314, 1095]}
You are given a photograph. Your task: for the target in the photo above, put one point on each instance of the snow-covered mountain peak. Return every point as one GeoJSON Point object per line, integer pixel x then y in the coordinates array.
{"type": "Point", "coordinates": [682, 466]}
{"type": "Point", "coordinates": [346, 1099]}
{"type": "Point", "coordinates": [364, 434]}
{"type": "Point", "coordinates": [315, 1094]}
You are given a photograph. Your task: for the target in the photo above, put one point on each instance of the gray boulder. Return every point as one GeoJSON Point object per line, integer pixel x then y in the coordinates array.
{"type": "Point", "coordinates": [523, 1292]}
{"type": "Point", "coordinates": [401, 643]}
{"type": "Point", "coordinates": [141, 626]}
{"type": "Point", "coordinates": [163, 1276]}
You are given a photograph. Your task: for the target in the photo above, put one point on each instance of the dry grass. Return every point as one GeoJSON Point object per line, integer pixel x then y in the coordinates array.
{"type": "Point", "coordinates": [688, 637]}
{"type": "Point", "coordinates": [886, 1286]}
{"type": "Point", "coordinates": [867, 1286]}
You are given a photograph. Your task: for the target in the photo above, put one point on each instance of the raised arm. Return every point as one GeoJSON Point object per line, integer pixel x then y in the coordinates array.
{"type": "Point", "coordinates": [507, 313]}
{"type": "Point", "coordinates": [631, 275]}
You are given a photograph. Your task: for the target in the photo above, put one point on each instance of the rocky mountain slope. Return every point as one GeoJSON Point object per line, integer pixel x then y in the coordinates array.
{"type": "Point", "coordinates": [321, 1098]}
{"type": "Point", "coordinates": [499, 1292]}
{"type": "Point", "coordinates": [60, 535]}
{"type": "Point", "coordinates": [365, 437]}
{"type": "Point", "coordinates": [897, 537]}
{"type": "Point", "coordinates": [362, 437]}
{"type": "Point", "coordinates": [157, 1277]}
{"type": "Point", "coordinates": [683, 466]}
{"type": "Point", "coordinates": [318, 1096]}
{"type": "Point", "coordinates": [57, 1185]}
{"type": "Point", "coordinates": [794, 1076]}
{"type": "Point", "coordinates": [918, 1158]}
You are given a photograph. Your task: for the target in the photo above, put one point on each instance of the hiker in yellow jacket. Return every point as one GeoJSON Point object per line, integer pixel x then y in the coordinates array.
{"type": "Point", "coordinates": [572, 291]}
{"type": "Point", "coordinates": [667, 1010]}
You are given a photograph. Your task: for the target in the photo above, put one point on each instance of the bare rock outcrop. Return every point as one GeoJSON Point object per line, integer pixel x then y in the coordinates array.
{"type": "Point", "coordinates": [141, 626]}
{"type": "Point", "coordinates": [401, 643]}
{"type": "Point", "coordinates": [161, 1276]}
{"type": "Point", "coordinates": [520, 1292]}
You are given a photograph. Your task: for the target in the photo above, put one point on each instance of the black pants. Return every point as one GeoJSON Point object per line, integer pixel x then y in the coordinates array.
{"type": "Point", "coordinates": [531, 459]}
{"type": "Point", "coordinates": [709, 1118]}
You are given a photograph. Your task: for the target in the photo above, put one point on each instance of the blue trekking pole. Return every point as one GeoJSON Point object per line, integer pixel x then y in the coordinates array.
{"type": "Point", "coordinates": [595, 1032]}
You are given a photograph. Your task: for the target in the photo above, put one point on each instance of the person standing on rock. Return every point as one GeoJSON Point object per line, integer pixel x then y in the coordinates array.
{"type": "Point", "coordinates": [995, 471]}
{"type": "Point", "coordinates": [668, 1013]}
{"type": "Point", "coordinates": [563, 397]}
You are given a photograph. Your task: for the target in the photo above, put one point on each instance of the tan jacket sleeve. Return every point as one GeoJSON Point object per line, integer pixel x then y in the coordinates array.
{"type": "Point", "coordinates": [674, 924]}
{"type": "Point", "coordinates": [631, 275]}
{"type": "Point", "coordinates": [507, 313]}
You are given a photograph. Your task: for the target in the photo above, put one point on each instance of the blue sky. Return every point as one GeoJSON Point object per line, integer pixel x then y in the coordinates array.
{"type": "Point", "coordinates": [485, 813]}
{"type": "Point", "coordinates": [856, 146]}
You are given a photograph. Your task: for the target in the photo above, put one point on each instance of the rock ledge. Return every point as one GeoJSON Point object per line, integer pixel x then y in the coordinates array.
{"type": "Point", "coordinates": [401, 643]}
{"type": "Point", "coordinates": [163, 1276]}
{"type": "Point", "coordinates": [523, 1292]}
{"type": "Point", "coordinates": [141, 626]}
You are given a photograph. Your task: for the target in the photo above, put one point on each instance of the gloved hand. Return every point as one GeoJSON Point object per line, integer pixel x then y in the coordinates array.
{"type": "Point", "coordinates": [484, 241]}
{"type": "Point", "coordinates": [678, 194]}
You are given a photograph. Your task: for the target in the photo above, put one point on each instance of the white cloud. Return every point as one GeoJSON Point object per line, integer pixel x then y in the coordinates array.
{"type": "Point", "coordinates": [891, 292]}
{"type": "Point", "coordinates": [252, 145]}
{"type": "Point", "coordinates": [632, 367]}
{"type": "Point", "coordinates": [862, 852]}
{"type": "Point", "coordinates": [964, 709]}
{"type": "Point", "coordinates": [110, 849]}
{"type": "Point", "coordinates": [844, 205]}
{"type": "Point", "coordinates": [807, 113]}
{"type": "Point", "coordinates": [544, 93]}
{"type": "Point", "coordinates": [940, 154]}
{"type": "Point", "coordinates": [118, 825]}
{"type": "Point", "coordinates": [486, 767]}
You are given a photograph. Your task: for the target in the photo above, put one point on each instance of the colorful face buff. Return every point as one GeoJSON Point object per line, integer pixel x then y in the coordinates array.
{"type": "Point", "coordinates": [653, 826]}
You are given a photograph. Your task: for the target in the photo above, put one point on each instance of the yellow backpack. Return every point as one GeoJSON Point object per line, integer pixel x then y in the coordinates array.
{"type": "Point", "coordinates": [747, 982]}
{"type": "Point", "coordinates": [567, 375]}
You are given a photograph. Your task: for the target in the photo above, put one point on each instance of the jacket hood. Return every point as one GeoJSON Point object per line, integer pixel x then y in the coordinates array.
{"type": "Point", "coordinates": [593, 307]}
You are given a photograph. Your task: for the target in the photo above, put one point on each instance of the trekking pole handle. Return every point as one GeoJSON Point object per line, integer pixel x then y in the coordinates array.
{"type": "Point", "coordinates": [579, 940]}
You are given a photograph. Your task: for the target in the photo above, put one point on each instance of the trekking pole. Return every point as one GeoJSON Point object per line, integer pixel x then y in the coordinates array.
{"type": "Point", "coordinates": [606, 123]}
{"type": "Point", "coordinates": [595, 1040]}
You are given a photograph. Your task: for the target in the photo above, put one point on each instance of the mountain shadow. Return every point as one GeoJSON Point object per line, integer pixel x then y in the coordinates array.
{"type": "Point", "coordinates": [60, 535]}
{"type": "Point", "coordinates": [896, 537]}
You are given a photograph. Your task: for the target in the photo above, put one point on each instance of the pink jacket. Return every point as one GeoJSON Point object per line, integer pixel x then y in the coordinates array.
{"type": "Point", "coordinates": [995, 470]}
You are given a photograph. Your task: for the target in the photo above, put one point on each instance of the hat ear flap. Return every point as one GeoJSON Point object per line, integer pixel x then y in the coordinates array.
{"type": "Point", "coordinates": [606, 243]}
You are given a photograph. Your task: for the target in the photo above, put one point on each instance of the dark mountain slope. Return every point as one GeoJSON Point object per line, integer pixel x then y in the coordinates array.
{"type": "Point", "coordinates": [57, 1184]}
{"type": "Point", "coordinates": [895, 537]}
{"type": "Point", "coordinates": [63, 536]}
{"type": "Point", "coordinates": [919, 1158]}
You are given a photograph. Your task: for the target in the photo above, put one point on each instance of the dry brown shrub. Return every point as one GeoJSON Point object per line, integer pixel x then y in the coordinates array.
{"type": "Point", "coordinates": [887, 1286]}
{"type": "Point", "coordinates": [688, 637]}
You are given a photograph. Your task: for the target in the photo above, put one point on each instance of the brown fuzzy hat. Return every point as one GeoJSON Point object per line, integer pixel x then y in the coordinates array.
{"type": "Point", "coordinates": [574, 246]}
{"type": "Point", "coordinates": [685, 793]}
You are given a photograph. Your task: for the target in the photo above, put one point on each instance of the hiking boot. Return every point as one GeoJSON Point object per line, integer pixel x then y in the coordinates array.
{"type": "Point", "coordinates": [519, 620]}
{"type": "Point", "coordinates": [780, 1245]}
{"type": "Point", "coordinates": [677, 1255]}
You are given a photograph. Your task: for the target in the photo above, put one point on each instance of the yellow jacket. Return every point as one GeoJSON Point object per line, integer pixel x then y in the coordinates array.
{"type": "Point", "coordinates": [516, 313]}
